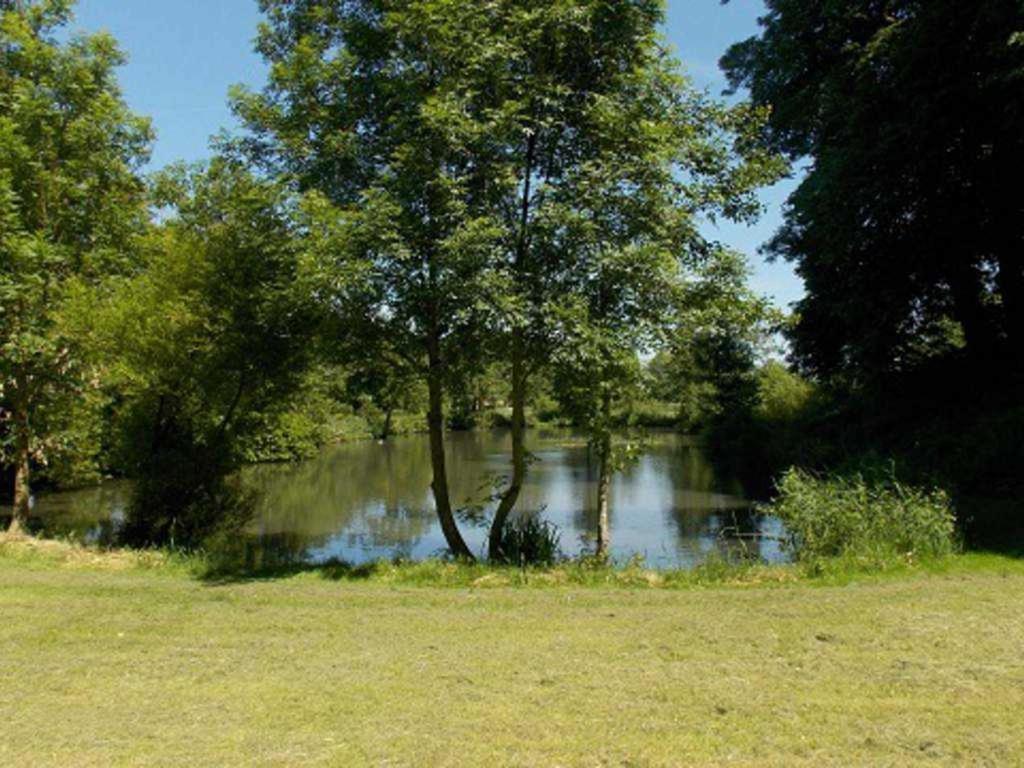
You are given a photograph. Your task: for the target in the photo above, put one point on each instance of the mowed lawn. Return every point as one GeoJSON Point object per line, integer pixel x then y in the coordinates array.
{"type": "Point", "coordinates": [105, 667]}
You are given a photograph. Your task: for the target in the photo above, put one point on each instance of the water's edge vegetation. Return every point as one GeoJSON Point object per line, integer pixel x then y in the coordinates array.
{"type": "Point", "coordinates": [587, 572]}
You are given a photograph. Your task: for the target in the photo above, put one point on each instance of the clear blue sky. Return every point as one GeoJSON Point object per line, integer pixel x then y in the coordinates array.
{"type": "Point", "coordinates": [183, 56]}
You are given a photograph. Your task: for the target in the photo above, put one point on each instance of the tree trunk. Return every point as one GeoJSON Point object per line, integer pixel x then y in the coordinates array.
{"type": "Point", "coordinates": [519, 374]}
{"type": "Point", "coordinates": [386, 430]}
{"type": "Point", "coordinates": [511, 495]}
{"type": "Point", "coordinates": [442, 499]}
{"type": "Point", "coordinates": [604, 481]}
{"type": "Point", "coordinates": [22, 490]}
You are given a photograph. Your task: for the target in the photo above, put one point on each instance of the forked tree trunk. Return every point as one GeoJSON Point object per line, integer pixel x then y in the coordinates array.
{"type": "Point", "coordinates": [511, 495]}
{"type": "Point", "coordinates": [442, 498]}
{"type": "Point", "coordinates": [22, 489]}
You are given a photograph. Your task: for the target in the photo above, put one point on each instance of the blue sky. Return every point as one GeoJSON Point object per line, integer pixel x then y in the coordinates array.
{"type": "Point", "coordinates": [183, 56]}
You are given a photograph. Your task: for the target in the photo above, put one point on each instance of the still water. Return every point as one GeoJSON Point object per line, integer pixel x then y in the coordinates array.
{"type": "Point", "coordinates": [365, 501]}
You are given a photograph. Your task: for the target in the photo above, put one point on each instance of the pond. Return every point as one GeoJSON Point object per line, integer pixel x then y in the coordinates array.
{"type": "Point", "coordinates": [364, 501]}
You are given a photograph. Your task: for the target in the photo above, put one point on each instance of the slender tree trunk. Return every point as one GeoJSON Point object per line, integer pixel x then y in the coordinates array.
{"type": "Point", "coordinates": [22, 490]}
{"type": "Point", "coordinates": [604, 482]}
{"type": "Point", "coordinates": [435, 423]}
{"type": "Point", "coordinates": [511, 495]}
{"type": "Point", "coordinates": [386, 431]}
{"type": "Point", "coordinates": [519, 375]}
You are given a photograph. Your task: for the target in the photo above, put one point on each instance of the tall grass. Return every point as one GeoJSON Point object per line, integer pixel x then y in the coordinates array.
{"type": "Point", "coordinates": [872, 518]}
{"type": "Point", "coordinates": [528, 540]}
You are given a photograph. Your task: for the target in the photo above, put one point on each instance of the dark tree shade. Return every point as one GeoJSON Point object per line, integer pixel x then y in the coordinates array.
{"type": "Point", "coordinates": [908, 229]}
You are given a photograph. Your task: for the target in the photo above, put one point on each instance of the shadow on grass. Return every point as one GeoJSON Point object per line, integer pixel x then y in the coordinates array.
{"type": "Point", "coordinates": [334, 570]}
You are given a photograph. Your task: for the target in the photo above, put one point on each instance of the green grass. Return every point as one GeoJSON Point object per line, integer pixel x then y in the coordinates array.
{"type": "Point", "coordinates": [131, 659]}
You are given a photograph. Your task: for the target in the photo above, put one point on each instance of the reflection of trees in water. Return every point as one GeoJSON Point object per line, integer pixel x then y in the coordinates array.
{"type": "Point", "coordinates": [737, 534]}
{"type": "Point", "coordinates": [677, 467]}
{"type": "Point", "coordinates": [91, 515]}
{"type": "Point", "coordinates": [353, 486]}
{"type": "Point", "coordinates": [397, 527]}
{"type": "Point", "coordinates": [580, 470]}
{"type": "Point", "coordinates": [366, 495]}
{"type": "Point", "coordinates": [267, 552]}
{"type": "Point", "coordinates": [701, 511]}
{"type": "Point", "coordinates": [370, 493]}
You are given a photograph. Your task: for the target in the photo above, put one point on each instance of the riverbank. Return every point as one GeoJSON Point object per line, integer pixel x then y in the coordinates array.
{"type": "Point", "coordinates": [123, 658]}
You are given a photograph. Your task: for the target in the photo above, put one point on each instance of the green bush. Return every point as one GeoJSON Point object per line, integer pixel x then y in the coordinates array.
{"type": "Point", "coordinates": [783, 396]}
{"type": "Point", "coordinates": [185, 490]}
{"type": "Point", "coordinates": [874, 518]}
{"type": "Point", "coordinates": [528, 540]}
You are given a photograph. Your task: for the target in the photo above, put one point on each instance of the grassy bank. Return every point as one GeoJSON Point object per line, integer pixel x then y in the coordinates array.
{"type": "Point", "coordinates": [130, 659]}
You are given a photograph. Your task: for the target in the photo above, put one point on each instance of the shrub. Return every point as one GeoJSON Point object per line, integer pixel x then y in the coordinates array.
{"type": "Point", "coordinates": [876, 518]}
{"type": "Point", "coordinates": [783, 396]}
{"type": "Point", "coordinates": [185, 492]}
{"type": "Point", "coordinates": [528, 540]}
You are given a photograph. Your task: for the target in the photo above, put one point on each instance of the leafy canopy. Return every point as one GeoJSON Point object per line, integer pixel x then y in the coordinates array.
{"type": "Point", "coordinates": [905, 231]}
{"type": "Point", "coordinates": [71, 201]}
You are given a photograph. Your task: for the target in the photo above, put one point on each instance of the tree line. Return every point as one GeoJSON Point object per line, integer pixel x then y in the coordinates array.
{"type": "Point", "coordinates": [429, 191]}
{"type": "Point", "coordinates": [517, 183]}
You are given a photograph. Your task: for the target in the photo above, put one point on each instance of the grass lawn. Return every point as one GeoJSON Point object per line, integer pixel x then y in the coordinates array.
{"type": "Point", "coordinates": [107, 663]}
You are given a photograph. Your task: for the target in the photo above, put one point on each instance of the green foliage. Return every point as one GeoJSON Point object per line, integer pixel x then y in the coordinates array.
{"type": "Point", "coordinates": [870, 518]}
{"type": "Point", "coordinates": [783, 396]}
{"type": "Point", "coordinates": [905, 235]}
{"type": "Point", "coordinates": [303, 420]}
{"type": "Point", "coordinates": [71, 208]}
{"type": "Point", "coordinates": [708, 361]}
{"type": "Point", "coordinates": [903, 229]}
{"type": "Point", "coordinates": [78, 434]}
{"type": "Point", "coordinates": [208, 336]}
{"type": "Point", "coordinates": [477, 397]}
{"type": "Point", "coordinates": [384, 386]}
{"type": "Point", "coordinates": [648, 414]}
{"type": "Point", "coordinates": [183, 497]}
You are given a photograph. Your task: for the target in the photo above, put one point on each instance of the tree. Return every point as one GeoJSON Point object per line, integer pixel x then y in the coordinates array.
{"type": "Point", "coordinates": [904, 230]}
{"type": "Point", "coordinates": [71, 207]}
{"type": "Point", "coordinates": [367, 105]}
{"type": "Point", "coordinates": [461, 140]}
{"type": "Point", "coordinates": [584, 118]}
{"type": "Point", "coordinates": [720, 329]}
{"type": "Point", "coordinates": [202, 341]}
{"type": "Point", "coordinates": [594, 373]}
{"type": "Point", "coordinates": [388, 383]}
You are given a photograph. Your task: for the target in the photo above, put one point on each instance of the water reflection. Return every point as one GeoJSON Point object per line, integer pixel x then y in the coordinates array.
{"type": "Point", "coordinates": [364, 501]}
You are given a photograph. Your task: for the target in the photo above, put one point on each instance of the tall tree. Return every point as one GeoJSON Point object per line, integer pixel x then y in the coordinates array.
{"type": "Point", "coordinates": [480, 150]}
{"type": "Point", "coordinates": [909, 239]}
{"type": "Point", "coordinates": [594, 373]}
{"type": "Point", "coordinates": [719, 331]}
{"type": "Point", "coordinates": [599, 151]}
{"type": "Point", "coordinates": [367, 105]}
{"type": "Point", "coordinates": [71, 205]}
